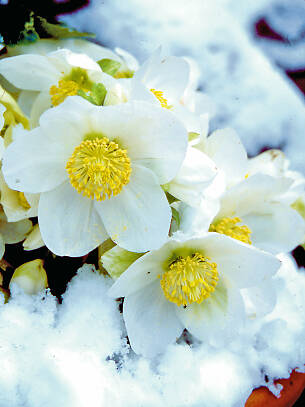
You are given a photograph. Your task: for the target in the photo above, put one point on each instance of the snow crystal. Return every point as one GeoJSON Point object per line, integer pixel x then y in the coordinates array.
{"type": "Point", "coordinates": [251, 95]}
{"type": "Point", "coordinates": [75, 354]}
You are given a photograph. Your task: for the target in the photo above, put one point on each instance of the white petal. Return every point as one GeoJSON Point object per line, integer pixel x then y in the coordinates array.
{"type": "Point", "coordinates": [138, 219]}
{"type": "Point", "coordinates": [138, 91]}
{"type": "Point", "coordinates": [169, 75]}
{"type": "Point", "coordinates": [68, 222]}
{"type": "Point", "coordinates": [33, 163]}
{"type": "Point", "coordinates": [129, 59]}
{"type": "Point", "coordinates": [142, 272]}
{"type": "Point", "coordinates": [275, 228]}
{"type": "Point", "coordinates": [41, 103]}
{"type": "Point", "coordinates": [226, 150]}
{"type": "Point", "coordinates": [30, 72]}
{"type": "Point", "coordinates": [69, 122]}
{"type": "Point", "coordinates": [151, 321]}
{"type": "Point", "coordinates": [195, 175]}
{"type": "Point", "coordinates": [241, 264]}
{"type": "Point", "coordinates": [247, 195]}
{"type": "Point", "coordinates": [152, 136]}
{"type": "Point", "coordinates": [26, 99]}
{"type": "Point", "coordinates": [198, 220]}
{"type": "Point", "coordinates": [218, 318]}
{"type": "Point", "coordinates": [74, 59]}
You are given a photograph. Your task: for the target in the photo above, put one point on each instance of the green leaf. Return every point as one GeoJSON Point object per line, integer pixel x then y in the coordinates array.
{"type": "Point", "coordinates": [109, 66]}
{"type": "Point", "coordinates": [61, 31]}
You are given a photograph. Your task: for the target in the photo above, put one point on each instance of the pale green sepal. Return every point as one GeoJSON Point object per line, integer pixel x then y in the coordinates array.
{"type": "Point", "coordinates": [97, 94]}
{"type": "Point", "coordinates": [31, 277]}
{"type": "Point", "coordinates": [109, 66]}
{"type": "Point", "coordinates": [117, 260]}
{"type": "Point", "coordinates": [299, 206]}
{"type": "Point", "coordinates": [193, 136]}
{"type": "Point", "coordinates": [175, 223]}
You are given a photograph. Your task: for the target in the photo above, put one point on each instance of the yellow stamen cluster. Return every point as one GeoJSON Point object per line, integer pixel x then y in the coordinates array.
{"type": "Point", "coordinates": [23, 201]}
{"type": "Point", "coordinates": [229, 227]}
{"type": "Point", "coordinates": [162, 100]}
{"type": "Point", "coordinates": [98, 168]}
{"type": "Point", "coordinates": [64, 89]}
{"type": "Point", "coordinates": [189, 279]}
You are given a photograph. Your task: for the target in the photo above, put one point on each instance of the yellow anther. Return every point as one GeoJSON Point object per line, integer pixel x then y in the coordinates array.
{"type": "Point", "coordinates": [229, 227]}
{"type": "Point", "coordinates": [189, 279]}
{"type": "Point", "coordinates": [98, 168]}
{"type": "Point", "coordinates": [162, 100]}
{"type": "Point", "coordinates": [23, 201]}
{"type": "Point", "coordinates": [63, 90]}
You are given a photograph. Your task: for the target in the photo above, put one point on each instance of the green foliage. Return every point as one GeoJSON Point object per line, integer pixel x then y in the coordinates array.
{"type": "Point", "coordinates": [61, 31]}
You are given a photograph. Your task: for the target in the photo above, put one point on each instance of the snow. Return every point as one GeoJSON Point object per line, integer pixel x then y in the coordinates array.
{"type": "Point", "coordinates": [250, 92]}
{"type": "Point", "coordinates": [75, 354]}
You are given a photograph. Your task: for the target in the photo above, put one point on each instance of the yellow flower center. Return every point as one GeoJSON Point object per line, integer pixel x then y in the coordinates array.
{"type": "Point", "coordinates": [23, 201]}
{"type": "Point", "coordinates": [162, 100]}
{"type": "Point", "coordinates": [64, 89]}
{"type": "Point", "coordinates": [98, 168]}
{"type": "Point", "coordinates": [189, 279]}
{"type": "Point", "coordinates": [229, 227]}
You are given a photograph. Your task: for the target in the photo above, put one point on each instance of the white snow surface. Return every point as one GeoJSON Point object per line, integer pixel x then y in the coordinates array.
{"type": "Point", "coordinates": [250, 92]}
{"type": "Point", "coordinates": [75, 354]}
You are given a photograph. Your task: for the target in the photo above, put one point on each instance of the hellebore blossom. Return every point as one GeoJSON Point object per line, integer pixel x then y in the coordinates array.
{"type": "Point", "coordinates": [193, 284]}
{"type": "Point", "coordinates": [46, 80]}
{"type": "Point", "coordinates": [99, 171]}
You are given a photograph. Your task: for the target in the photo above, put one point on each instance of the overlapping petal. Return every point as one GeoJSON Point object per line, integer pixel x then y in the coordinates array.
{"type": "Point", "coordinates": [69, 224]}
{"type": "Point", "coordinates": [138, 219]}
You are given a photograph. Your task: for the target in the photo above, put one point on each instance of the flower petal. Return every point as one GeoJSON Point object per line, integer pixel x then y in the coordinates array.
{"type": "Point", "coordinates": [151, 321]}
{"type": "Point", "coordinates": [228, 153]}
{"type": "Point", "coordinates": [33, 163]}
{"type": "Point", "coordinates": [30, 72]}
{"type": "Point", "coordinates": [152, 136]}
{"type": "Point", "coordinates": [138, 219]}
{"type": "Point", "coordinates": [275, 227]}
{"type": "Point", "coordinates": [246, 196]}
{"type": "Point", "coordinates": [169, 75]}
{"type": "Point", "coordinates": [196, 173]}
{"type": "Point", "coordinates": [240, 263]}
{"type": "Point", "coordinates": [218, 318]}
{"type": "Point", "coordinates": [141, 273]}
{"type": "Point", "coordinates": [68, 222]}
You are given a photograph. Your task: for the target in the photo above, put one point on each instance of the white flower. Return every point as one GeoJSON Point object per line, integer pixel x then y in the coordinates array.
{"type": "Point", "coordinates": [251, 211]}
{"type": "Point", "coordinates": [99, 171]}
{"type": "Point", "coordinates": [193, 284]}
{"type": "Point", "coordinates": [163, 82]}
{"type": "Point", "coordinates": [51, 78]}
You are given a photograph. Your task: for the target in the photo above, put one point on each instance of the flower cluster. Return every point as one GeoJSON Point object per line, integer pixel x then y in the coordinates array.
{"type": "Point", "coordinates": [114, 155]}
